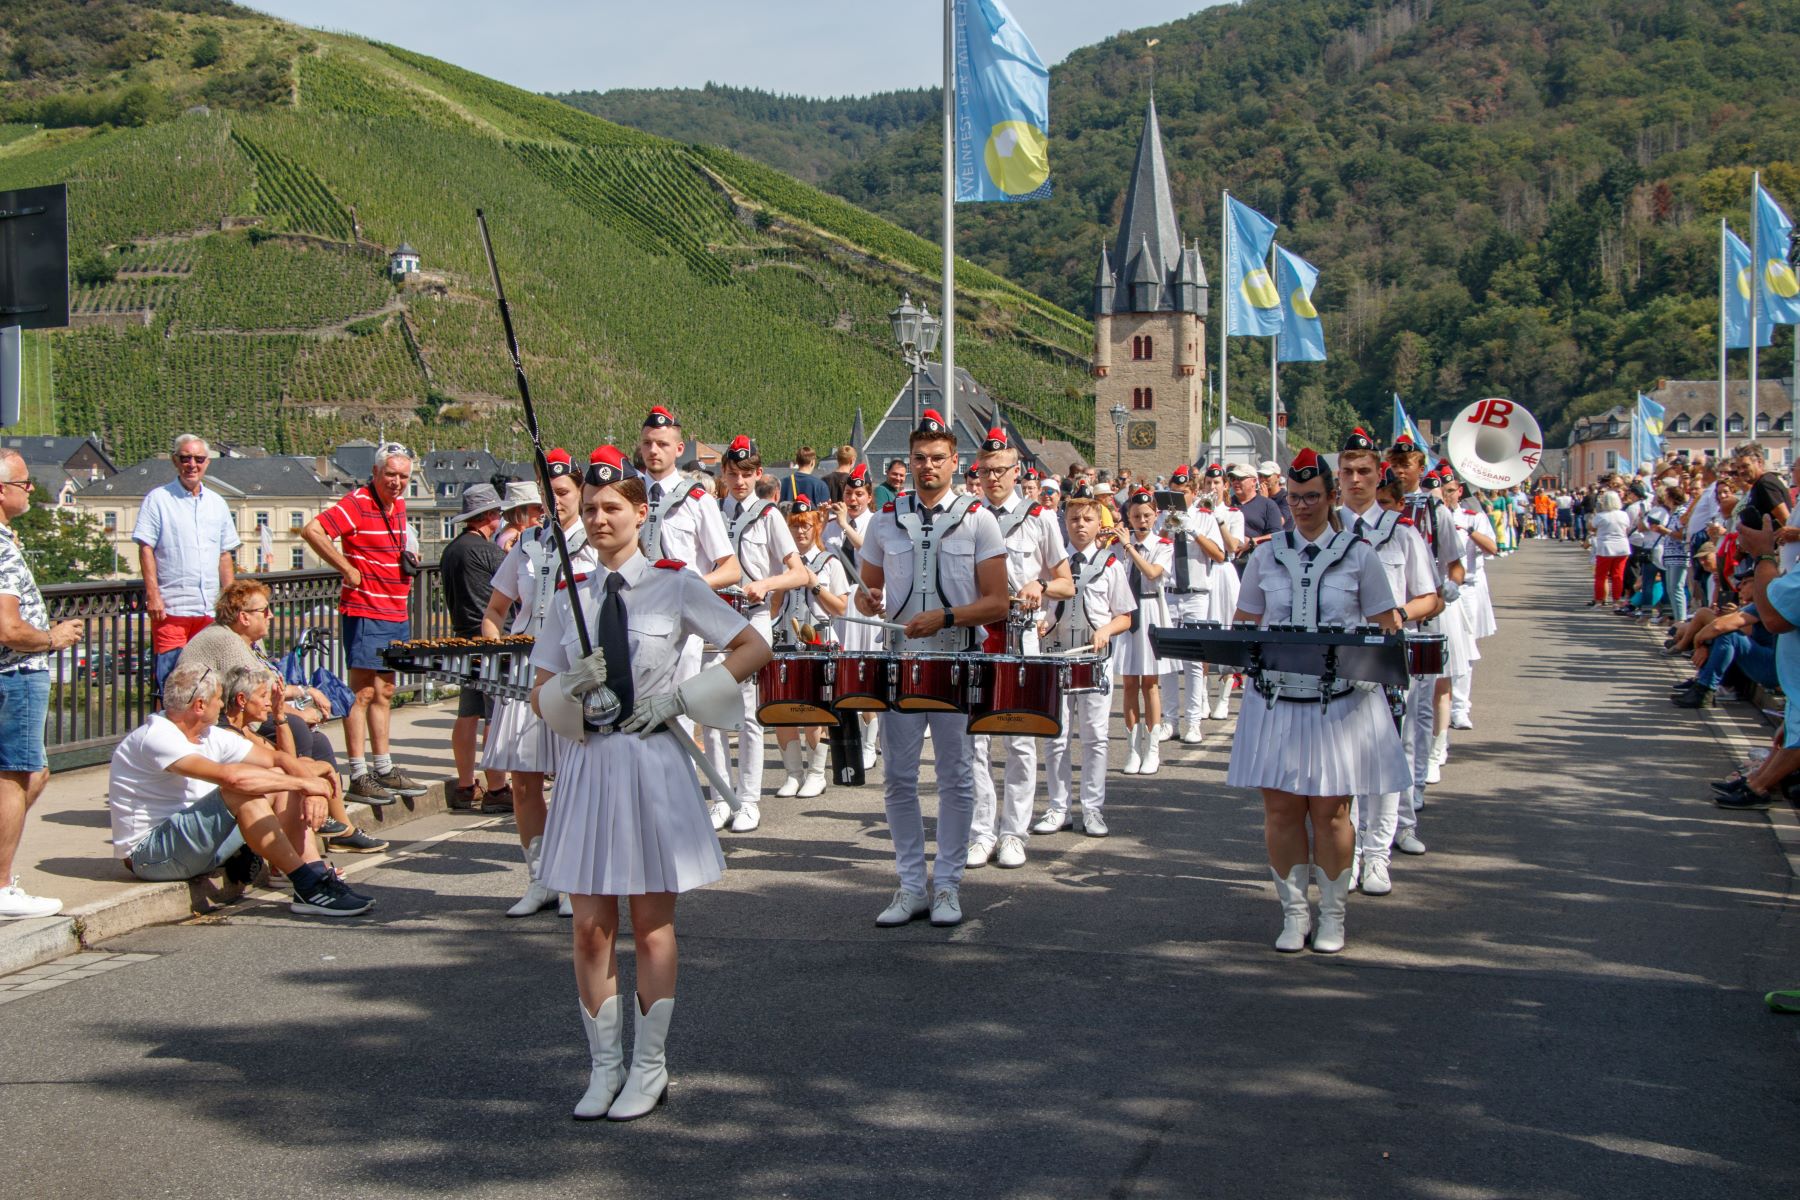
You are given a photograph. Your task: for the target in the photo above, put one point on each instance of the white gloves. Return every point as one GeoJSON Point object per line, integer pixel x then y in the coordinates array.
{"type": "Point", "coordinates": [586, 675]}
{"type": "Point", "coordinates": [1450, 591]}
{"type": "Point", "coordinates": [713, 698]}
{"type": "Point", "coordinates": [650, 713]}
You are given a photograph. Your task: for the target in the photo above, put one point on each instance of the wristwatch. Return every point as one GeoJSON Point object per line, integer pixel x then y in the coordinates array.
{"type": "Point", "coordinates": [949, 617]}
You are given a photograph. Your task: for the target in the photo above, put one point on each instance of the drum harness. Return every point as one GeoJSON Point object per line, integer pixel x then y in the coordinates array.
{"type": "Point", "coordinates": [748, 515]}
{"type": "Point", "coordinates": [1072, 615]}
{"type": "Point", "coordinates": [540, 556]}
{"type": "Point", "coordinates": [650, 537]}
{"type": "Point", "coordinates": [796, 604]}
{"type": "Point", "coordinates": [1386, 526]}
{"type": "Point", "coordinates": [1304, 571]}
{"type": "Point", "coordinates": [928, 531]}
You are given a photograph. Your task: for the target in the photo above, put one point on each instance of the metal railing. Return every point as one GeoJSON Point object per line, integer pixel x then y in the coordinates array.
{"type": "Point", "coordinates": [105, 685]}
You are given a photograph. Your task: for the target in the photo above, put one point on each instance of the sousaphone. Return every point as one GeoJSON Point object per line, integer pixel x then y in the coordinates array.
{"type": "Point", "coordinates": [1494, 444]}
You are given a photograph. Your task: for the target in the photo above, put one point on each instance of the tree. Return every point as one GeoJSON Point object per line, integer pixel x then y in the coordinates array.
{"type": "Point", "coordinates": [63, 547]}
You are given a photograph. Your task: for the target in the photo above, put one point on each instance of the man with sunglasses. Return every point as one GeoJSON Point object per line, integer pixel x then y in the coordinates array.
{"type": "Point", "coordinates": [186, 536]}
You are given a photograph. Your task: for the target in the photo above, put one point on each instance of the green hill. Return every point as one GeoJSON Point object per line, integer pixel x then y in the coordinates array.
{"type": "Point", "coordinates": [236, 184]}
{"type": "Point", "coordinates": [1505, 197]}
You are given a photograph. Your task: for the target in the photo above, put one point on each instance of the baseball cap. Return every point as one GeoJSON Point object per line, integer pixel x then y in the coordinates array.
{"type": "Point", "coordinates": [1268, 468]}
{"type": "Point", "coordinates": [1239, 470]}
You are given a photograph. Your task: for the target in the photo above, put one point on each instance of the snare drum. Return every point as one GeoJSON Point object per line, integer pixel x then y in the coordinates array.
{"type": "Point", "coordinates": [1084, 674]}
{"type": "Point", "coordinates": [1425, 653]}
{"type": "Point", "coordinates": [865, 682]}
{"type": "Point", "coordinates": [796, 689]}
{"type": "Point", "coordinates": [934, 682]}
{"type": "Point", "coordinates": [1018, 695]}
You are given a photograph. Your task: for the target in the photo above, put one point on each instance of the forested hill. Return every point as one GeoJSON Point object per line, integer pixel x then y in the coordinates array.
{"type": "Point", "coordinates": [806, 138]}
{"type": "Point", "coordinates": [1506, 197]}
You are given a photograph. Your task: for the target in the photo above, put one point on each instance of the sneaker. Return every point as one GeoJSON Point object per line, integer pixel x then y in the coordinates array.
{"type": "Point", "coordinates": [1190, 733]}
{"type": "Point", "coordinates": [498, 801]}
{"type": "Point", "coordinates": [364, 790]}
{"type": "Point", "coordinates": [16, 904]}
{"type": "Point", "coordinates": [332, 828]}
{"type": "Point", "coordinates": [946, 907]}
{"type": "Point", "coordinates": [462, 799]}
{"type": "Point", "coordinates": [1462, 722]}
{"type": "Point", "coordinates": [331, 897]}
{"type": "Point", "coordinates": [1093, 824]}
{"type": "Point", "coordinates": [747, 819]}
{"type": "Point", "coordinates": [1053, 822]}
{"type": "Point", "coordinates": [1744, 800]}
{"type": "Point", "coordinates": [1408, 843]}
{"type": "Point", "coordinates": [906, 906]}
{"type": "Point", "coordinates": [356, 842]}
{"type": "Point", "coordinates": [979, 852]}
{"type": "Point", "coordinates": [1011, 852]}
{"type": "Point", "coordinates": [400, 784]}
{"type": "Point", "coordinates": [1697, 697]}
{"type": "Point", "coordinates": [1375, 880]}
{"type": "Point", "coordinates": [1164, 732]}
{"type": "Point", "coordinates": [244, 868]}
{"type": "Point", "coordinates": [720, 814]}
{"type": "Point", "coordinates": [1434, 772]}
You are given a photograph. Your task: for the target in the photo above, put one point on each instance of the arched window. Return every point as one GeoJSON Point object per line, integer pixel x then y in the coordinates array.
{"type": "Point", "coordinates": [1734, 424]}
{"type": "Point", "coordinates": [1143, 398]}
{"type": "Point", "coordinates": [1762, 422]}
{"type": "Point", "coordinates": [1143, 348]}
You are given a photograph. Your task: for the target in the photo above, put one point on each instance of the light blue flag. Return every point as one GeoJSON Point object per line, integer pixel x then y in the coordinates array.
{"type": "Point", "coordinates": [1778, 288]}
{"type": "Point", "coordinates": [1252, 300]}
{"type": "Point", "coordinates": [1302, 336]}
{"type": "Point", "coordinates": [1404, 424]}
{"type": "Point", "coordinates": [1002, 107]}
{"type": "Point", "coordinates": [1647, 431]}
{"type": "Point", "coordinates": [1737, 298]}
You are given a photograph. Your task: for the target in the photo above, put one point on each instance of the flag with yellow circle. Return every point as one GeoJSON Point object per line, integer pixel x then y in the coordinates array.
{"type": "Point", "coordinates": [1252, 302]}
{"type": "Point", "coordinates": [1002, 107]}
{"type": "Point", "coordinates": [1302, 337]}
{"type": "Point", "coordinates": [1777, 286]}
{"type": "Point", "coordinates": [1736, 300]}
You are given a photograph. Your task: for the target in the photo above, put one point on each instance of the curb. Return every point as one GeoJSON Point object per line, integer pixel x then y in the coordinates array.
{"type": "Point", "coordinates": [28, 943]}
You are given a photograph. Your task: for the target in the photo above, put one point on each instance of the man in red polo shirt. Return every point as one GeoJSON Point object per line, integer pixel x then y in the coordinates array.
{"type": "Point", "coordinates": [372, 608]}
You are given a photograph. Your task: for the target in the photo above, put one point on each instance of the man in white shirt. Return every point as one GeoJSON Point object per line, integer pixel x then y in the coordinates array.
{"type": "Point", "coordinates": [936, 563]}
{"type": "Point", "coordinates": [188, 796]}
{"type": "Point", "coordinates": [185, 536]}
{"type": "Point", "coordinates": [1037, 570]}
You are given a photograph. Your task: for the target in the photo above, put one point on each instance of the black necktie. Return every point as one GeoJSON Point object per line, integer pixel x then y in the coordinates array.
{"type": "Point", "coordinates": [1181, 560]}
{"type": "Point", "coordinates": [656, 493]}
{"type": "Point", "coordinates": [1311, 552]}
{"type": "Point", "coordinates": [1358, 530]}
{"type": "Point", "coordinates": [1079, 563]}
{"type": "Point", "coordinates": [615, 644]}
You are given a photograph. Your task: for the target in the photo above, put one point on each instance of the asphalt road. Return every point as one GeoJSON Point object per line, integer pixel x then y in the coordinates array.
{"type": "Point", "coordinates": [1561, 1000]}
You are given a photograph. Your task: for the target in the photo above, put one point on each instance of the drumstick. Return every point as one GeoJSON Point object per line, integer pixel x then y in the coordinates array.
{"type": "Point", "coordinates": [872, 621]}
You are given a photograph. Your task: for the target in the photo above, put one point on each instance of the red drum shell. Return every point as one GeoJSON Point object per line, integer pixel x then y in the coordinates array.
{"type": "Point", "coordinates": [865, 682]}
{"type": "Point", "coordinates": [1084, 674]}
{"type": "Point", "coordinates": [1019, 695]}
{"type": "Point", "coordinates": [796, 689]}
{"type": "Point", "coordinates": [1425, 653]}
{"type": "Point", "coordinates": [934, 682]}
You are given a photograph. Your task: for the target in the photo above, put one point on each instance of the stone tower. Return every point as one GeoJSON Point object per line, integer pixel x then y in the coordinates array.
{"type": "Point", "coordinates": [1150, 295]}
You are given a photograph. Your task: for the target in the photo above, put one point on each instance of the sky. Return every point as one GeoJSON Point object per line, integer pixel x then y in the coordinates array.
{"type": "Point", "coordinates": [801, 47]}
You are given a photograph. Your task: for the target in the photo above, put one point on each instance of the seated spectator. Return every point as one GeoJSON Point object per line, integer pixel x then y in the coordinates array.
{"type": "Point", "coordinates": [1735, 639]}
{"type": "Point", "coordinates": [188, 796]}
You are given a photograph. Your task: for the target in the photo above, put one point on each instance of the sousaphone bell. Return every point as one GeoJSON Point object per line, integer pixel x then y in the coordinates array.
{"type": "Point", "coordinates": [1495, 444]}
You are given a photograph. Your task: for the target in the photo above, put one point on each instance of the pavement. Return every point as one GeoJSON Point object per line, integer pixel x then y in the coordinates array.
{"type": "Point", "coordinates": [1561, 1000]}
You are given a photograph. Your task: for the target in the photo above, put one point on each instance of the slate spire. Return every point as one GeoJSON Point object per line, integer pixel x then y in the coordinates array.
{"type": "Point", "coordinates": [1149, 208]}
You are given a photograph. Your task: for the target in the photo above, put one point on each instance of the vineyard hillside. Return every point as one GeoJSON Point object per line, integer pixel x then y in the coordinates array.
{"type": "Point", "coordinates": [237, 185]}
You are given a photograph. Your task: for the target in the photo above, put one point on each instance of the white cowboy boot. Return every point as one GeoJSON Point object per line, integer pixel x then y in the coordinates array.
{"type": "Point", "coordinates": [1296, 918]}
{"type": "Point", "coordinates": [537, 897]}
{"type": "Point", "coordinates": [814, 783]}
{"type": "Point", "coordinates": [1222, 706]}
{"type": "Point", "coordinates": [871, 742]}
{"type": "Point", "coordinates": [606, 1051]}
{"type": "Point", "coordinates": [790, 759]}
{"type": "Point", "coordinates": [1134, 755]}
{"type": "Point", "coordinates": [1334, 896]}
{"type": "Point", "coordinates": [648, 1082]}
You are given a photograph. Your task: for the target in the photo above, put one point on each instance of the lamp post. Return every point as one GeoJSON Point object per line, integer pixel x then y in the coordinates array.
{"type": "Point", "coordinates": [1119, 417]}
{"type": "Point", "coordinates": [916, 332]}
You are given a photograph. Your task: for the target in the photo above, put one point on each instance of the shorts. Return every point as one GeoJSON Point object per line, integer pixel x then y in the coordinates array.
{"type": "Point", "coordinates": [24, 703]}
{"type": "Point", "coordinates": [365, 638]}
{"type": "Point", "coordinates": [189, 844]}
{"type": "Point", "coordinates": [471, 703]}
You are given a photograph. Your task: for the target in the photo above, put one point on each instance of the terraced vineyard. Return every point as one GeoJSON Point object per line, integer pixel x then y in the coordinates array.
{"type": "Point", "coordinates": [288, 190]}
{"type": "Point", "coordinates": [125, 295]}
{"type": "Point", "coordinates": [239, 285]}
{"type": "Point", "coordinates": [376, 370]}
{"type": "Point", "coordinates": [174, 259]}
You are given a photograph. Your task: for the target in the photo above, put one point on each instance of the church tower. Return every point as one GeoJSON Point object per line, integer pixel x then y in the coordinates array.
{"type": "Point", "coordinates": [1150, 295]}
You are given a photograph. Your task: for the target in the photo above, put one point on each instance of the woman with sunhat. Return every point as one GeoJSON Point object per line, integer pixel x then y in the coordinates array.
{"type": "Point", "coordinates": [530, 577]}
{"type": "Point", "coordinates": [628, 819]}
{"type": "Point", "coordinates": [1308, 743]}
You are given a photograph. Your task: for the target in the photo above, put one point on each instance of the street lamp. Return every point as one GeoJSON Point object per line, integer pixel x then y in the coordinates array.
{"type": "Point", "coordinates": [1119, 417]}
{"type": "Point", "coordinates": [916, 332]}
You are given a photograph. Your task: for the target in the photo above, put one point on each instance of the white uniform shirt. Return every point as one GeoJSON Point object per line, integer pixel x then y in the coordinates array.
{"type": "Point", "coordinates": [694, 532]}
{"type": "Point", "coordinates": [1403, 556]}
{"type": "Point", "coordinates": [1200, 523]}
{"type": "Point", "coordinates": [1161, 553]}
{"type": "Point", "coordinates": [515, 579]}
{"type": "Point", "coordinates": [1447, 546]}
{"type": "Point", "coordinates": [1035, 546]}
{"type": "Point", "coordinates": [801, 603]}
{"type": "Point", "coordinates": [663, 608]}
{"type": "Point", "coordinates": [764, 545]}
{"type": "Point", "coordinates": [1352, 590]}
{"type": "Point", "coordinates": [1474, 557]}
{"type": "Point", "coordinates": [1230, 519]}
{"type": "Point", "coordinates": [833, 538]}
{"type": "Point", "coordinates": [1106, 596]}
{"type": "Point", "coordinates": [975, 540]}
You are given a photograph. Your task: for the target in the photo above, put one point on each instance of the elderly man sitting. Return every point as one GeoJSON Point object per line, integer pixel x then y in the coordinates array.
{"type": "Point", "coordinates": [189, 796]}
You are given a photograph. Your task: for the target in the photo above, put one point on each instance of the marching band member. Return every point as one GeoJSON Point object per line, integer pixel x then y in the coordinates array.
{"type": "Point", "coordinates": [627, 819]}
{"type": "Point", "coordinates": [769, 563]}
{"type": "Point", "coordinates": [1478, 536]}
{"type": "Point", "coordinates": [1433, 523]}
{"type": "Point", "coordinates": [1198, 557]}
{"type": "Point", "coordinates": [803, 749]}
{"type": "Point", "coordinates": [843, 538]}
{"type": "Point", "coordinates": [1460, 651]}
{"type": "Point", "coordinates": [1037, 569]}
{"type": "Point", "coordinates": [1216, 497]}
{"type": "Point", "coordinates": [1407, 565]}
{"type": "Point", "coordinates": [1309, 742]}
{"type": "Point", "coordinates": [936, 562]}
{"type": "Point", "coordinates": [1099, 610]}
{"type": "Point", "coordinates": [1134, 663]}
{"type": "Point", "coordinates": [518, 741]}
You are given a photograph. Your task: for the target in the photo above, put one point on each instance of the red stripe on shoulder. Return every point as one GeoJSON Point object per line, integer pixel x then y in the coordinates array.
{"type": "Point", "coordinates": [669, 564]}
{"type": "Point", "coordinates": [888, 507]}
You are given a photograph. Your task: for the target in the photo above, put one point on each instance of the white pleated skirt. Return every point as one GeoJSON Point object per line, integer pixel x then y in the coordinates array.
{"type": "Point", "coordinates": [518, 740]}
{"type": "Point", "coordinates": [628, 820]}
{"type": "Point", "coordinates": [1131, 650]}
{"type": "Point", "coordinates": [1348, 748]}
{"type": "Point", "coordinates": [1481, 612]}
{"type": "Point", "coordinates": [1459, 640]}
{"type": "Point", "coordinates": [1224, 594]}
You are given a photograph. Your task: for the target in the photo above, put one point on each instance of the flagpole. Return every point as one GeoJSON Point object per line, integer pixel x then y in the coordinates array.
{"type": "Point", "coordinates": [948, 310]}
{"type": "Point", "coordinates": [1274, 353]}
{"type": "Point", "coordinates": [1724, 273]}
{"type": "Point", "coordinates": [1755, 293]}
{"type": "Point", "coordinates": [1225, 322]}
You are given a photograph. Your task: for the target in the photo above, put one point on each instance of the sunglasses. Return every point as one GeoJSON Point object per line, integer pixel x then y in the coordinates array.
{"type": "Point", "coordinates": [192, 458]}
